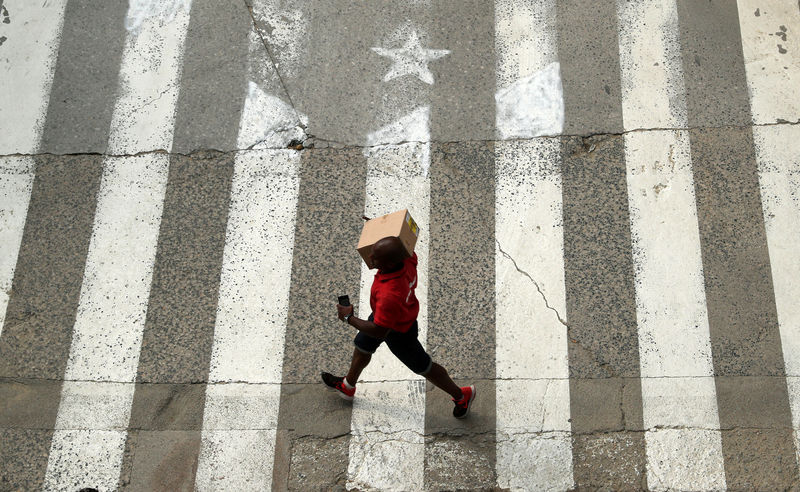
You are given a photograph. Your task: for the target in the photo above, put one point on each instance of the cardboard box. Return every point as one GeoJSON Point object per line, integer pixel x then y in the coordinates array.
{"type": "Point", "coordinates": [398, 224]}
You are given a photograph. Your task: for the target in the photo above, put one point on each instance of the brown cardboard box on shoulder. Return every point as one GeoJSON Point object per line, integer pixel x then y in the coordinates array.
{"type": "Point", "coordinates": [398, 224]}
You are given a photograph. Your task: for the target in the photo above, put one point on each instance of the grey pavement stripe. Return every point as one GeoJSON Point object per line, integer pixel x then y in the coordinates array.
{"type": "Point", "coordinates": [589, 57]}
{"type": "Point", "coordinates": [213, 83]}
{"type": "Point", "coordinates": [167, 411]}
{"type": "Point", "coordinates": [752, 394]}
{"type": "Point", "coordinates": [85, 82]}
{"type": "Point", "coordinates": [36, 336]}
{"type": "Point", "coordinates": [313, 425]}
{"type": "Point", "coordinates": [461, 271]}
{"type": "Point", "coordinates": [605, 392]}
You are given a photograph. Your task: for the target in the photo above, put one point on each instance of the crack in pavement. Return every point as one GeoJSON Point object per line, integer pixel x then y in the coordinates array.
{"type": "Point", "coordinates": [274, 65]}
{"type": "Point", "coordinates": [538, 288]}
{"type": "Point", "coordinates": [311, 140]}
{"type": "Point", "coordinates": [337, 143]}
{"type": "Point", "coordinates": [603, 365]}
{"type": "Point", "coordinates": [158, 97]}
{"type": "Point", "coordinates": [16, 380]}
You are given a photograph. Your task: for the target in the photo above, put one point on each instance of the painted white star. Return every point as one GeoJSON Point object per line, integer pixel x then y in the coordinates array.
{"type": "Point", "coordinates": [411, 59]}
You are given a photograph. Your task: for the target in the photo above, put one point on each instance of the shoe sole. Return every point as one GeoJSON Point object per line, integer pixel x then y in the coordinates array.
{"type": "Point", "coordinates": [469, 403]}
{"type": "Point", "coordinates": [343, 396]}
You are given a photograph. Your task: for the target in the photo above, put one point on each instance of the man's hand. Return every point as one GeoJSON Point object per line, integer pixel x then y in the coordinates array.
{"type": "Point", "coordinates": [344, 311]}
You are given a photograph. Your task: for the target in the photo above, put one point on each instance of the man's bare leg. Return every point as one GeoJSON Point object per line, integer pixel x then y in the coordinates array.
{"type": "Point", "coordinates": [439, 377]}
{"type": "Point", "coordinates": [359, 362]}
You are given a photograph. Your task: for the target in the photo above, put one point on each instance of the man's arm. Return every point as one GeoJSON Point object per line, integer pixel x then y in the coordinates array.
{"type": "Point", "coordinates": [366, 326]}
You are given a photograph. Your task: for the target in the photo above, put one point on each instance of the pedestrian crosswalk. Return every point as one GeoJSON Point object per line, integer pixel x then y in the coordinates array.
{"type": "Point", "coordinates": [614, 269]}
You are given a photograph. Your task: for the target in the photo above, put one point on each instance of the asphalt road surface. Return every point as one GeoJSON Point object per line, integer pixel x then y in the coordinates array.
{"type": "Point", "coordinates": [609, 201]}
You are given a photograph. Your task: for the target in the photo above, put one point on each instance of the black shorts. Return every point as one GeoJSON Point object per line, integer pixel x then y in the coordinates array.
{"type": "Point", "coordinates": [405, 346]}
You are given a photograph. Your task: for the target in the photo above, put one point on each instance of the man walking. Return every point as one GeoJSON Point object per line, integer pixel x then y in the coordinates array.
{"type": "Point", "coordinates": [394, 321]}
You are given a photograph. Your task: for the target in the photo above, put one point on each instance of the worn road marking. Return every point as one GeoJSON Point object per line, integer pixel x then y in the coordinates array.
{"type": "Point", "coordinates": [745, 334]}
{"type": "Point", "coordinates": [16, 183]}
{"type": "Point", "coordinates": [529, 96]}
{"type": "Point", "coordinates": [242, 399]}
{"type": "Point", "coordinates": [387, 448]}
{"type": "Point", "coordinates": [684, 448]}
{"type": "Point", "coordinates": [26, 68]}
{"type": "Point", "coordinates": [534, 446]}
{"type": "Point", "coordinates": [771, 46]}
{"type": "Point", "coordinates": [772, 64]}
{"type": "Point", "coordinates": [108, 327]}
{"type": "Point", "coordinates": [778, 154]}
{"type": "Point", "coordinates": [27, 61]}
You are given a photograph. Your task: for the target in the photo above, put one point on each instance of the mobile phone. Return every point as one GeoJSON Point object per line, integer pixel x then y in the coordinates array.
{"type": "Point", "coordinates": [344, 300]}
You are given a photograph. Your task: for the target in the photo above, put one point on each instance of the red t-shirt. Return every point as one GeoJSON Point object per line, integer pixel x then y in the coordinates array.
{"type": "Point", "coordinates": [392, 298]}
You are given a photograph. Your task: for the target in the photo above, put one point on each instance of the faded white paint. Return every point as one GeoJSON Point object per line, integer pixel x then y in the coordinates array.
{"type": "Point", "coordinates": [387, 448]}
{"type": "Point", "coordinates": [532, 106]}
{"type": "Point", "coordinates": [283, 27]}
{"type": "Point", "coordinates": [239, 422]}
{"type": "Point", "coordinates": [16, 182]}
{"type": "Point", "coordinates": [268, 122]}
{"type": "Point", "coordinates": [410, 59]}
{"type": "Point", "coordinates": [683, 442]}
{"type": "Point", "coordinates": [27, 61]}
{"type": "Point", "coordinates": [112, 308]}
{"type": "Point", "coordinates": [144, 114]}
{"type": "Point", "coordinates": [256, 268]}
{"type": "Point", "coordinates": [534, 450]}
{"type": "Point", "coordinates": [684, 445]}
{"type": "Point", "coordinates": [89, 436]}
{"type": "Point", "coordinates": [116, 282]}
{"type": "Point", "coordinates": [529, 98]}
{"type": "Point", "coordinates": [778, 154]}
{"type": "Point", "coordinates": [238, 440]}
{"type": "Point", "coordinates": [237, 447]}
{"type": "Point", "coordinates": [141, 11]}
{"type": "Point", "coordinates": [651, 71]}
{"type": "Point", "coordinates": [771, 47]}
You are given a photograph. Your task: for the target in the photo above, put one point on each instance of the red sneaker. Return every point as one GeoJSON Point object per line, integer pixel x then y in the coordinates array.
{"type": "Point", "coordinates": [336, 383]}
{"type": "Point", "coordinates": [462, 406]}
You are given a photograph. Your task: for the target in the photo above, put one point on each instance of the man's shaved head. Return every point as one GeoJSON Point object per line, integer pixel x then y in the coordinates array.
{"type": "Point", "coordinates": [388, 253]}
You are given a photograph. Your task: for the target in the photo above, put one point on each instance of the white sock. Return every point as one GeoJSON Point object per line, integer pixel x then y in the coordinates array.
{"type": "Point", "coordinates": [347, 385]}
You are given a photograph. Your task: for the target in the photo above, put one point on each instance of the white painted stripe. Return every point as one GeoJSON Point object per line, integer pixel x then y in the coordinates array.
{"type": "Point", "coordinates": [387, 448]}
{"type": "Point", "coordinates": [16, 182]}
{"type": "Point", "coordinates": [240, 419]}
{"type": "Point", "coordinates": [771, 48]}
{"type": "Point", "coordinates": [237, 447]}
{"type": "Point", "coordinates": [650, 63]}
{"type": "Point", "coordinates": [534, 449]}
{"type": "Point", "coordinates": [778, 154]}
{"type": "Point", "coordinates": [89, 437]}
{"type": "Point", "coordinates": [684, 445]}
{"type": "Point", "coordinates": [111, 313]}
{"type": "Point", "coordinates": [529, 94]}
{"type": "Point", "coordinates": [27, 61]}
{"type": "Point", "coordinates": [144, 114]}
{"type": "Point", "coordinates": [771, 51]}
